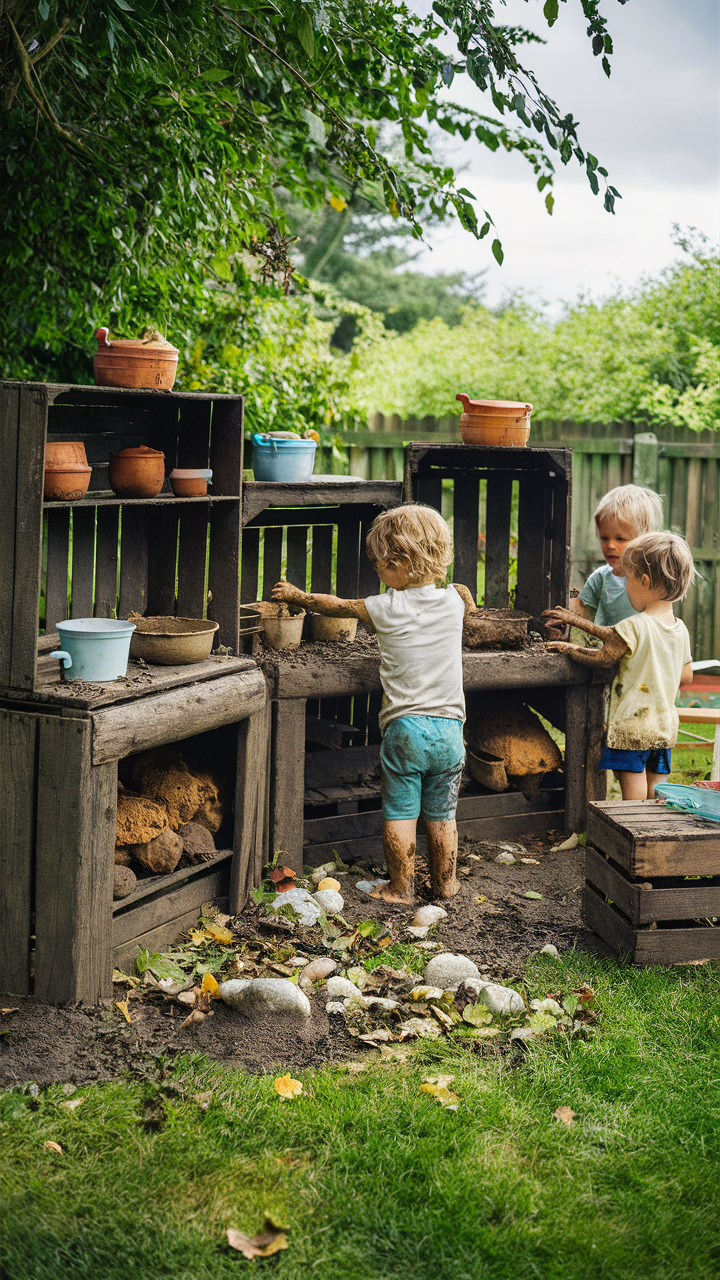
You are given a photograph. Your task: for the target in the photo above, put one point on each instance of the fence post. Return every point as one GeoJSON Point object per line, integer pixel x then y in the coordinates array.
{"type": "Point", "coordinates": [645, 460]}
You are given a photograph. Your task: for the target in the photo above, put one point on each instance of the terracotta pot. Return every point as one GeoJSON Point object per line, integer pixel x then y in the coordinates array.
{"type": "Point", "coordinates": [189, 482]}
{"type": "Point", "coordinates": [494, 423]}
{"type": "Point", "coordinates": [66, 483]}
{"type": "Point", "coordinates": [137, 473]}
{"type": "Point", "coordinates": [58, 452]}
{"type": "Point", "coordinates": [333, 629]}
{"type": "Point", "coordinates": [126, 362]}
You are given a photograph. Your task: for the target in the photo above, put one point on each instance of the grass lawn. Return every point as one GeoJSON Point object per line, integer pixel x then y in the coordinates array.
{"type": "Point", "coordinates": [374, 1180]}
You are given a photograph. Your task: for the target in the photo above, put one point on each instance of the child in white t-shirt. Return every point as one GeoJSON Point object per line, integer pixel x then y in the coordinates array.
{"type": "Point", "coordinates": [653, 650]}
{"type": "Point", "coordinates": [419, 630]}
{"type": "Point", "coordinates": [624, 513]}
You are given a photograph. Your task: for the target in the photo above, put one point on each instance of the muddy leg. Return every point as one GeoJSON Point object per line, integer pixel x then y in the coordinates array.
{"type": "Point", "coordinates": [399, 846]}
{"type": "Point", "coordinates": [443, 843]}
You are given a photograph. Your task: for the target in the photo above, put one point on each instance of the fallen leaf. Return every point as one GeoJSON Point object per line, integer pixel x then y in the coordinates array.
{"type": "Point", "coordinates": [281, 873]}
{"type": "Point", "coordinates": [72, 1106]}
{"type": "Point", "coordinates": [52, 1146]}
{"type": "Point", "coordinates": [203, 1100]}
{"type": "Point", "coordinates": [481, 898]}
{"type": "Point", "coordinates": [531, 862]}
{"type": "Point", "coordinates": [263, 1245]}
{"type": "Point", "coordinates": [477, 1015]}
{"type": "Point", "coordinates": [122, 1005]}
{"type": "Point", "coordinates": [5, 1012]}
{"type": "Point", "coordinates": [221, 918]}
{"type": "Point", "coordinates": [532, 894]}
{"type": "Point", "coordinates": [565, 1115]}
{"type": "Point", "coordinates": [197, 1016]}
{"type": "Point", "coordinates": [465, 871]}
{"type": "Point", "coordinates": [209, 985]}
{"type": "Point", "coordinates": [438, 1088]}
{"type": "Point", "coordinates": [186, 997]}
{"type": "Point", "coordinates": [374, 1037]}
{"type": "Point", "coordinates": [219, 934]}
{"type": "Point", "coordinates": [121, 979]}
{"type": "Point", "coordinates": [424, 1028]}
{"type": "Point", "coordinates": [443, 1018]}
{"type": "Point", "coordinates": [288, 1088]}
{"type": "Point", "coordinates": [572, 842]}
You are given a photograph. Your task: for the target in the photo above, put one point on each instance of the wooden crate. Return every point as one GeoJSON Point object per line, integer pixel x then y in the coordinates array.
{"type": "Point", "coordinates": [637, 896]}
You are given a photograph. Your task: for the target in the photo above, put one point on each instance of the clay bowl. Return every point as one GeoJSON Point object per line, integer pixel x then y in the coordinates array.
{"type": "Point", "coordinates": [333, 630]}
{"type": "Point", "coordinates": [171, 642]}
{"type": "Point", "coordinates": [66, 482]}
{"type": "Point", "coordinates": [189, 483]}
{"type": "Point", "coordinates": [137, 473]}
{"type": "Point", "coordinates": [507, 627]}
{"type": "Point", "coordinates": [281, 628]}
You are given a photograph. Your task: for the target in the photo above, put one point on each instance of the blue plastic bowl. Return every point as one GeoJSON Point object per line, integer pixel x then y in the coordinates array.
{"type": "Point", "coordinates": [694, 800]}
{"type": "Point", "coordinates": [288, 460]}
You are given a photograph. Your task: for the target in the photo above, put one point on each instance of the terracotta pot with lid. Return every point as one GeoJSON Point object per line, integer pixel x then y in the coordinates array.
{"type": "Point", "coordinates": [126, 362]}
{"type": "Point", "coordinates": [137, 473]}
{"type": "Point", "coordinates": [503, 423]}
{"type": "Point", "coordinates": [67, 474]}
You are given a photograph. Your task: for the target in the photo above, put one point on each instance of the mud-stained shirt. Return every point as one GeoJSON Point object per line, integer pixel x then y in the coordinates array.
{"type": "Point", "coordinates": [419, 632]}
{"type": "Point", "coordinates": [642, 714]}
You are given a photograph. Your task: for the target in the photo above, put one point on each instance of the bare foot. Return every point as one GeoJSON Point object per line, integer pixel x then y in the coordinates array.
{"type": "Point", "coordinates": [448, 890]}
{"type": "Point", "coordinates": [388, 894]}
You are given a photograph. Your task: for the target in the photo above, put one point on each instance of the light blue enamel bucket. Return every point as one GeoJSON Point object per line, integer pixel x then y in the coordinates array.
{"type": "Point", "coordinates": [287, 460]}
{"type": "Point", "coordinates": [95, 648]}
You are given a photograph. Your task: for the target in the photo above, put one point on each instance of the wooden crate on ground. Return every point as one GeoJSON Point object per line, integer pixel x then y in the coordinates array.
{"type": "Point", "coordinates": [652, 882]}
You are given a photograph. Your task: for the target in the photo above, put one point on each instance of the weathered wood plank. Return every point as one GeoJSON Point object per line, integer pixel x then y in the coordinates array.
{"type": "Point", "coordinates": [465, 530]}
{"type": "Point", "coordinates": [475, 828]}
{"type": "Point", "coordinates": [18, 777]}
{"type": "Point", "coordinates": [106, 555]}
{"type": "Point", "coordinates": [151, 912]}
{"type": "Point", "coordinates": [348, 556]}
{"type": "Point", "coordinates": [321, 574]}
{"type": "Point", "coordinates": [74, 865]}
{"type": "Point", "coordinates": [124, 955]}
{"type": "Point", "coordinates": [576, 708]}
{"type": "Point", "coordinates": [56, 574]}
{"type": "Point", "coordinates": [83, 562]}
{"type": "Point", "coordinates": [192, 560]}
{"type": "Point", "coordinates": [249, 566]}
{"type": "Point", "coordinates": [648, 946]}
{"type": "Point", "coordinates": [223, 605]}
{"type": "Point", "coordinates": [287, 769]}
{"type": "Point", "coordinates": [180, 713]}
{"type": "Point", "coordinates": [272, 560]}
{"type": "Point", "coordinates": [498, 509]}
{"type": "Point", "coordinates": [251, 795]}
{"type": "Point", "coordinates": [643, 902]}
{"type": "Point", "coordinates": [257, 494]}
{"type": "Point", "coordinates": [532, 593]}
{"type": "Point", "coordinates": [139, 683]}
{"type": "Point", "coordinates": [133, 561]}
{"type": "Point", "coordinates": [9, 420]}
{"type": "Point", "coordinates": [470, 808]}
{"type": "Point", "coordinates": [297, 556]}
{"type": "Point", "coordinates": [659, 843]}
{"type": "Point", "coordinates": [28, 536]}
{"type": "Point", "coordinates": [151, 886]}
{"type": "Point", "coordinates": [337, 767]}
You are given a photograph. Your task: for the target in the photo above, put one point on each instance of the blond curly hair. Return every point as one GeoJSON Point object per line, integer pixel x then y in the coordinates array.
{"type": "Point", "coordinates": [412, 535]}
{"type": "Point", "coordinates": [640, 508]}
{"type": "Point", "coordinates": [665, 558]}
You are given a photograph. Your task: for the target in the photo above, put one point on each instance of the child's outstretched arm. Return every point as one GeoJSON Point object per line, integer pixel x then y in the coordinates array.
{"type": "Point", "coordinates": [613, 646]}
{"type": "Point", "coordinates": [466, 596]}
{"type": "Point", "coordinates": [329, 606]}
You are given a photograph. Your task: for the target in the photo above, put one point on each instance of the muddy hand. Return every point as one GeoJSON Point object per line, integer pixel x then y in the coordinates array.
{"type": "Point", "coordinates": [559, 617]}
{"type": "Point", "coordinates": [286, 591]}
{"type": "Point", "coordinates": [562, 646]}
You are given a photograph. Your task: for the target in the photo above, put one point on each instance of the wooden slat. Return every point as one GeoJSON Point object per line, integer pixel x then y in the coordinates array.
{"type": "Point", "coordinates": [9, 419]}
{"type": "Point", "coordinates": [428, 490]}
{"type": "Point", "coordinates": [297, 556]}
{"type": "Point", "coordinates": [18, 777]}
{"type": "Point", "coordinates": [28, 536]}
{"type": "Point", "coordinates": [74, 865]}
{"type": "Point", "coordinates": [83, 562]}
{"type": "Point", "coordinates": [106, 556]}
{"type": "Point", "coordinates": [193, 434]}
{"type": "Point", "coordinates": [648, 946]}
{"type": "Point", "coordinates": [249, 566]}
{"type": "Point", "coordinates": [192, 559]}
{"type": "Point", "coordinates": [576, 707]}
{"type": "Point", "coordinates": [675, 845]}
{"type": "Point", "coordinates": [157, 939]}
{"type": "Point", "coordinates": [226, 445]}
{"type": "Point", "coordinates": [466, 497]}
{"type": "Point", "coordinates": [162, 524]}
{"type": "Point", "coordinates": [258, 495]}
{"type": "Point", "coordinates": [250, 850]}
{"type": "Point", "coordinates": [133, 561]}
{"type": "Point", "coordinates": [56, 574]}
{"type": "Point", "coordinates": [287, 767]}
{"type": "Point", "coordinates": [321, 567]}
{"type": "Point", "coordinates": [155, 910]}
{"type": "Point", "coordinates": [224, 574]}
{"type": "Point", "coordinates": [561, 548]}
{"type": "Point", "coordinates": [152, 680]}
{"type": "Point", "coordinates": [497, 541]}
{"type": "Point", "coordinates": [368, 581]}
{"type": "Point", "coordinates": [348, 556]}
{"type": "Point", "coordinates": [532, 594]}
{"type": "Point", "coordinates": [272, 560]}
{"type": "Point", "coordinates": [643, 902]}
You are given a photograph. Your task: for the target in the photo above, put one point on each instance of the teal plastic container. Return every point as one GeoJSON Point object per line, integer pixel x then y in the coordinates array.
{"type": "Point", "coordinates": [694, 800]}
{"type": "Point", "coordinates": [288, 460]}
{"type": "Point", "coordinates": [96, 649]}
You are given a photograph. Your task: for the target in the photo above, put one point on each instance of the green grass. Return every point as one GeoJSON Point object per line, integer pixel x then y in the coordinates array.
{"type": "Point", "coordinates": [374, 1180]}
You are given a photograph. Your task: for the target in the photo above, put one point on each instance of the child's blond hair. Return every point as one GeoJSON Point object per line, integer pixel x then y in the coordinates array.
{"type": "Point", "coordinates": [640, 508]}
{"type": "Point", "coordinates": [412, 535]}
{"type": "Point", "coordinates": [665, 558]}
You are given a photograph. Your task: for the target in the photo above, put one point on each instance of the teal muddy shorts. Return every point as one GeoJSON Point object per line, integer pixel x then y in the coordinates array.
{"type": "Point", "coordinates": [421, 763]}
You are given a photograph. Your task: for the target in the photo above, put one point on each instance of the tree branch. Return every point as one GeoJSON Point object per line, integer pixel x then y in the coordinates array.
{"type": "Point", "coordinates": [26, 77]}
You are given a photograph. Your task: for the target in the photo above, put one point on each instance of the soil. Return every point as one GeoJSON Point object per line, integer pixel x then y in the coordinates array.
{"type": "Point", "coordinates": [365, 645]}
{"type": "Point", "coordinates": [490, 921]}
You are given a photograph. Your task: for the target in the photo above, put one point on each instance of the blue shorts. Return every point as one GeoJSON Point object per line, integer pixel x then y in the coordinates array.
{"type": "Point", "coordinates": [421, 763]}
{"type": "Point", "coordinates": [656, 761]}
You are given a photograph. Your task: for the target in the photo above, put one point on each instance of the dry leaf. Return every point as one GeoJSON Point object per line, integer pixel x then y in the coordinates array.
{"type": "Point", "coordinates": [5, 1012]}
{"type": "Point", "coordinates": [532, 894]}
{"type": "Point", "coordinates": [565, 1115]}
{"type": "Point", "coordinates": [481, 898]}
{"type": "Point", "coordinates": [219, 934]}
{"type": "Point", "coordinates": [263, 1245]}
{"type": "Point", "coordinates": [531, 862]}
{"type": "Point", "coordinates": [186, 997]}
{"type": "Point", "coordinates": [572, 842]}
{"type": "Point", "coordinates": [221, 918]}
{"type": "Point", "coordinates": [121, 979]}
{"type": "Point", "coordinates": [443, 1018]}
{"type": "Point", "coordinates": [287, 1087]}
{"type": "Point", "coordinates": [122, 1005]}
{"type": "Point", "coordinates": [193, 1019]}
{"type": "Point", "coordinates": [72, 1106]}
{"type": "Point", "coordinates": [281, 873]}
{"type": "Point", "coordinates": [203, 1100]}
{"type": "Point", "coordinates": [438, 1088]}
{"type": "Point", "coordinates": [209, 985]}
{"type": "Point", "coordinates": [52, 1146]}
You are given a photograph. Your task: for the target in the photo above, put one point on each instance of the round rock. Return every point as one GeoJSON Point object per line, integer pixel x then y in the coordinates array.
{"type": "Point", "coordinates": [448, 971]}
{"type": "Point", "coordinates": [265, 995]}
{"type": "Point", "coordinates": [124, 881]}
{"type": "Point", "coordinates": [339, 988]}
{"type": "Point", "coordinates": [162, 854]}
{"type": "Point", "coordinates": [502, 1000]}
{"type": "Point", "coordinates": [330, 900]}
{"type": "Point", "coordinates": [427, 916]}
{"type": "Point", "coordinates": [318, 969]}
{"type": "Point", "coordinates": [302, 901]}
{"type": "Point", "coordinates": [197, 842]}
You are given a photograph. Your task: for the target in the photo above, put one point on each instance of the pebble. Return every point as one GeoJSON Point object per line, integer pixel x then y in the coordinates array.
{"type": "Point", "coordinates": [329, 883]}
{"type": "Point", "coordinates": [506, 859]}
{"type": "Point", "coordinates": [320, 873]}
{"type": "Point", "coordinates": [338, 988]}
{"type": "Point", "coordinates": [448, 971]}
{"type": "Point", "coordinates": [367, 886]}
{"type": "Point", "coordinates": [380, 1002]}
{"type": "Point", "coordinates": [330, 900]}
{"type": "Point", "coordinates": [550, 950]}
{"type": "Point", "coordinates": [317, 969]}
{"type": "Point", "coordinates": [334, 1006]}
{"type": "Point", "coordinates": [272, 995]}
{"type": "Point", "coordinates": [418, 931]}
{"type": "Point", "coordinates": [428, 915]}
{"type": "Point", "coordinates": [124, 881]}
{"type": "Point", "coordinates": [502, 1000]}
{"type": "Point", "coordinates": [302, 901]}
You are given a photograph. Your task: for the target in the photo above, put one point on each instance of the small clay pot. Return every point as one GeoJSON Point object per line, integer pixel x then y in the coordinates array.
{"type": "Point", "coordinates": [189, 482]}
{"type": "Point", "coordinates": [494, 423]}
{"type": "Point", "coordinates": [129, 363]}
{"type": "Point", "coordinates": [60, 452]}
{"type": "Point", "coordinates": [333, 630]}
{"type": "Point", "coordinates": [66, 483]}
{"type": "Point", "coordinates": [281, 628]}
{"type": "Point", "coordinates": [137, 473]}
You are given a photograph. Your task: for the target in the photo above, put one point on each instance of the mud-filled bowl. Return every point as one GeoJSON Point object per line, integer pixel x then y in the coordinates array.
{"type": "Point", "coordinates": [333, 630]}
{"type": "Point", "coordinates": [506, 627]}
{"type": "Point", "coordinates": [189, 482]}
{"type": "Point", "coordinates": [171, 642]}
{"type": "Point", "coordinates": [282, 629]}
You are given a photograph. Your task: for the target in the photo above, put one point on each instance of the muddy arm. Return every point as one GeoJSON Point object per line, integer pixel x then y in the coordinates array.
{"type": "Point", "coordinates": [328, 606]}
{"type": "Point", "coordinates": [611, 652]}
{"type": "Point", "coordinates": [466, 596]}
{"type": "Point", "coordinates": [558, 618]}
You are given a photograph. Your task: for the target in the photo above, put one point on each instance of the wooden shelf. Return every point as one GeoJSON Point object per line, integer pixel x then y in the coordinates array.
{"type": "Point", "coordinates": [140, 682]}
{"type": "Point", "coordinates": [162, 499]}
{"type": "Point", "coordinates": [258, 495]}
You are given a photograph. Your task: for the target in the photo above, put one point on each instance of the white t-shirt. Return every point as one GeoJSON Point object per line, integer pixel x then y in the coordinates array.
{"type": "Point", "coordinates": [642, 713]}
{"type": "Point", "coordinates": [419, 631]}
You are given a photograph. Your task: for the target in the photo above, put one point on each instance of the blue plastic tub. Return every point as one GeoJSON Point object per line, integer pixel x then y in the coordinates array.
{"type": "Point", "coordinates": [289, 460]}
{"type": "Point", "coordinates": [694, 800]}
{"type": "Point", "coordinates": [94, 648]}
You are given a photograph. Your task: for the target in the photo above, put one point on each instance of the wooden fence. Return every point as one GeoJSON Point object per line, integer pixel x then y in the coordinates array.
{"type": "Point", "coordinates": [682, 465]}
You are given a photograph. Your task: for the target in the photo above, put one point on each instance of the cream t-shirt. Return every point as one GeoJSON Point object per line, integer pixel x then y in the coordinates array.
{"type": "Point", "coordinates": [419, 632]}
{"type": "Point", "coordinates": [642, 713]}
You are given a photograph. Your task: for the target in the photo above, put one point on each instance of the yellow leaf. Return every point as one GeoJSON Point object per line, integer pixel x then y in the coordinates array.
{"type": "Point", "coordinates": [565, 1115]}
{"type": "Point", "coordinates": [124, 979]}
{"type": "Point", "coordinates": [52, 1146]}
{"type": "Point", "coordinates": [209, 985]}
{"type": "Point", "coordinates": [437, 1087]}
{"type": "Point", "coordinates": [122, 1005]}
{"type": "Point", "coordinates": [198, 935]}
{"type": "Point", "coordinates": [481, 898]}
{"type": "Point", "coordinates": [287, 1087]}
{"type": "Point", "coordinates": [263, 1245]}
{"type": "Point", "coordinates": [219, 934]}
{"type": "Point", "coordinates": [338, 203]}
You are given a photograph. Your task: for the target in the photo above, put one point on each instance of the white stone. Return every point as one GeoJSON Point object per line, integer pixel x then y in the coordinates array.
{"type": "Point", "coordinates": [330, 900]}
{"type": "Point", "coordinates": [448, 971]}
{"type": "Point", "coordinates": [418, 931]}
{"type": "Point", "coordinates": [506, 858]}
{"type": "Point", "coordinates": [380, 1002]}
{"type": "Point", "coordinates": [319, 968]}
{"type": "Point", "coordinates": [338, 988]}
{"type": "Point", "coordinates": [320, 873]}
{"type": "Point", "coordinates": [334, 1006]}
{"type": "Point", "coordinates": [367, 886]}
{"type": "Point", "coordinates": [260, 995]}
{"type": "Point", "coordinates": [522, 1033]}
{"type": "Point", "coordinates": [428, 915]}
{"type": "Point", "coordinates": [474, 986]}
{"type": "Point", "coordinates": [550, 950]}
{"type": "Point", "coordinates": [502, 1000]}
{"type": "Point", "coordinates": [302, 901]}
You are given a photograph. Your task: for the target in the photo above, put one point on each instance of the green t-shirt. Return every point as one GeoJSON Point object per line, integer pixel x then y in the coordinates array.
{"type": "Point", "coordinates": [606, 594]}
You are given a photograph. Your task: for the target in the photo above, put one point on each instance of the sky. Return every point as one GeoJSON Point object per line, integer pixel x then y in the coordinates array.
{"type": "Point", "coordinates": [653, 125]}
